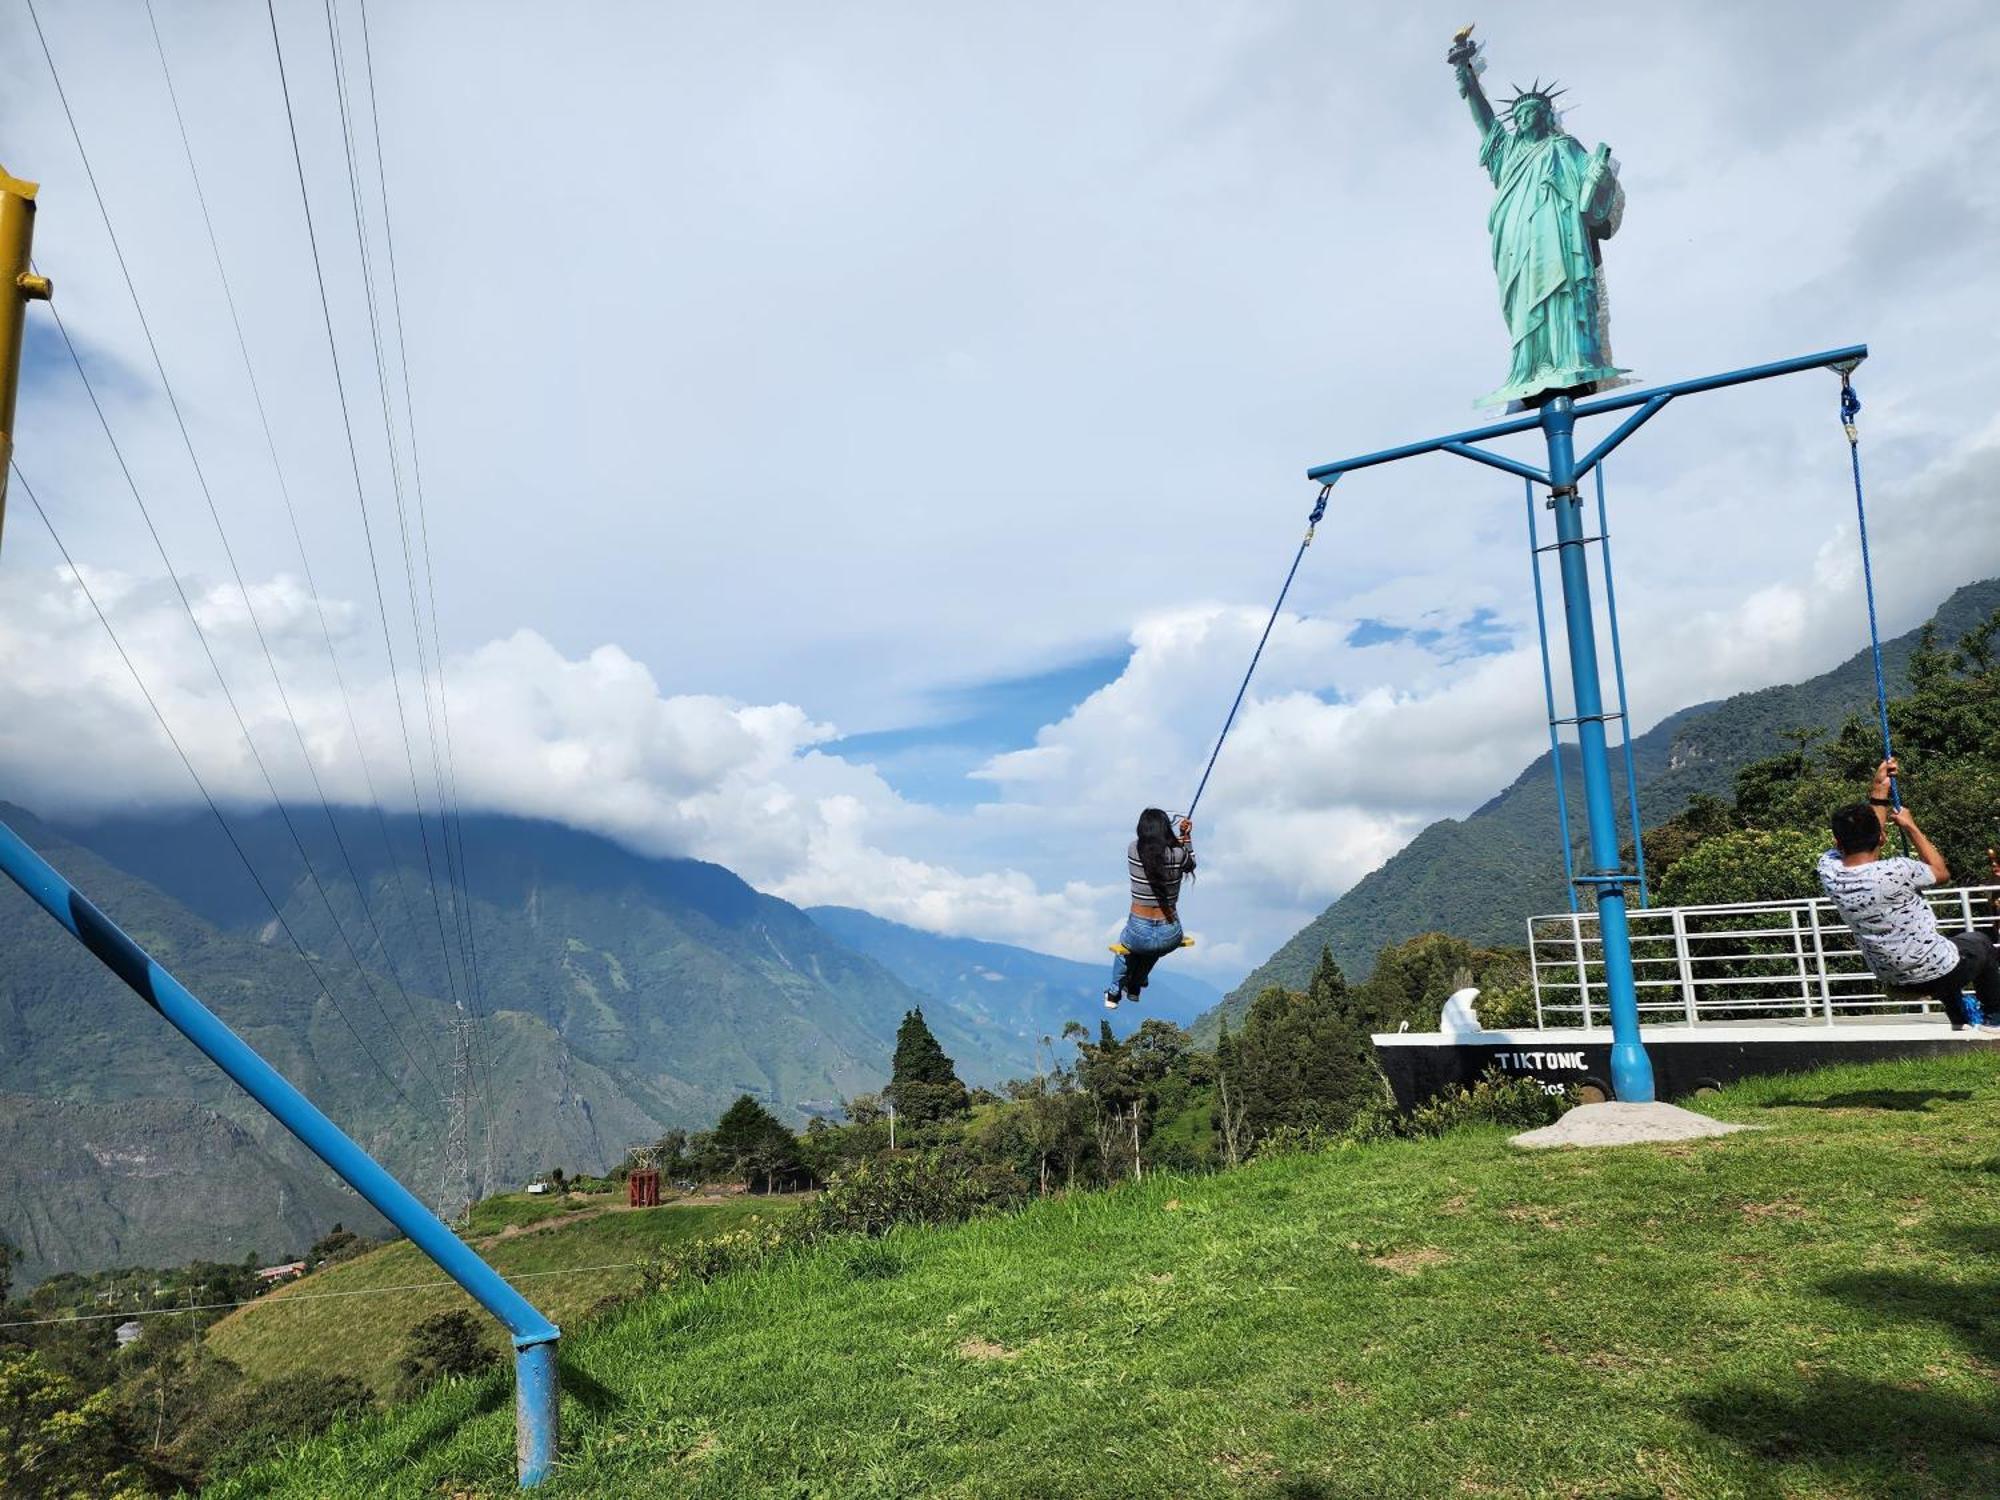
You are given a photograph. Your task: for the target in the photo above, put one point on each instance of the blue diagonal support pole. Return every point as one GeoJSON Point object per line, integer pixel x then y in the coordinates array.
{"type": "Point", "coordinates": [1631, 1070]}
{"type": "Point", "coordinates": [534, 1335]}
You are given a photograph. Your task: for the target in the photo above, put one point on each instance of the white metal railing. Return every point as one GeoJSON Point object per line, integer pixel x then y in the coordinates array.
{"type": "Point", "coordinates": [1766, 960]}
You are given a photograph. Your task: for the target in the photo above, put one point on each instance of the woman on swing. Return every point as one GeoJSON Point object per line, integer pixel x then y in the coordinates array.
{"type": "Point", "coordinates": [1157, 861]}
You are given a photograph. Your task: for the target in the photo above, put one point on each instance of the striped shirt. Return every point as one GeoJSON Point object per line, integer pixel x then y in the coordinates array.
{"type": "Point", "coordinates": [1896, 928]}
{"type": "Point", "coordinates": [1178, 860]}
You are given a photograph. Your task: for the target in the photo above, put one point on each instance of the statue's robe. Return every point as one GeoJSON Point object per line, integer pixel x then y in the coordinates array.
{"type": "Point", "coordinates": [1553, 202]}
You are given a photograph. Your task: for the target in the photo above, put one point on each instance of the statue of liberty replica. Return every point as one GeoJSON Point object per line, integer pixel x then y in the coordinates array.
{"type": "Point", "coordinates": [1553, 205]}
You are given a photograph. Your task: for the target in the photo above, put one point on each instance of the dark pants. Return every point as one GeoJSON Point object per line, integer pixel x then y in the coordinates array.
{"type": "Point", "coordinates": [1978, 970]}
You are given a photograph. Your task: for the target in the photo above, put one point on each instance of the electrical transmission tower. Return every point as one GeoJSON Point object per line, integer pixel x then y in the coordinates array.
{"type": "Point", "coordinates": [455, 1196]}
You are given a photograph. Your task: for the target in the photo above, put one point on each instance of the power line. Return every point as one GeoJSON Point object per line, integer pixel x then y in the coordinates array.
{"type": "Point", "coordinates": [454, 877]}
{"type": "Point", "coordinates": [305, 561]}
{"type": "Point", "coordinates": [423, 518]}
{"type": "Point", "coordinates": [360, 496]}
{"type": "Point", "coordinates": [201, 478]}
{"type": "Point", "coordinates": [416, 459]}
{"type": "Point", "coordinates": [358, 210]}
{"type": "Point", "coordinates": [201, 786]}
{"type": "Point", "coordinates": [480, 1037]}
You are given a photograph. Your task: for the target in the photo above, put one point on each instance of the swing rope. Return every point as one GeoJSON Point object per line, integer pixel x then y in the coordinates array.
{"type": "Point", "coordinates": [1312, 525]}
{"type": "Point", "coordinates": [1850, 408]}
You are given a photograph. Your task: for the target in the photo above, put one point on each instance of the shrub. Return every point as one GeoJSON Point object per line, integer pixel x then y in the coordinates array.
{"type": "Point", "coordinates": [1507, 1006]}
{"type": "Point", "coordinates": [1299, 1140]}
{"type": "Point", "coordinates": [1496, 1099]}
{"type": "Point", "coordinates": [57, 1440]}
{"type": "Point", "coordinates": [869, 1200]}
{"type": "Point", "coordinates": [452, 1343]}
{"type": "Point", "coordinates": [705, 1260]}
{"type": "Point", "coordinates": [920, 1189]}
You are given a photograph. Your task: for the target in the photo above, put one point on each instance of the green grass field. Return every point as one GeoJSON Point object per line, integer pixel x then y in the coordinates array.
{"type": "Point", "coordinates": [565, 1269]}
{"type": "Point", "coordinates": [1808, 1310]}
{"type": "Point", "coordinates": [518, 1210]}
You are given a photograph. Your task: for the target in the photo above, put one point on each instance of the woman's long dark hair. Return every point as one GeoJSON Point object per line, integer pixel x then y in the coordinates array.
{"type": "Point", "coordinates": [1156, 837]}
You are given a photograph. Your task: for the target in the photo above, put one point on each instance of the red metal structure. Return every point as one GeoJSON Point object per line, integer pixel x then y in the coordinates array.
{"type": "Point", "coordinates": [642, 1189]}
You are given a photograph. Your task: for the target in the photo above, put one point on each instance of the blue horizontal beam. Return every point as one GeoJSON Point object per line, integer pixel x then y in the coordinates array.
{"type": "Point", "coordinates": [1327, 472]}
{"type": "Point", "coordinates": [1654, 397]}
{"type": "Point", "coordinates": [1828, 359]}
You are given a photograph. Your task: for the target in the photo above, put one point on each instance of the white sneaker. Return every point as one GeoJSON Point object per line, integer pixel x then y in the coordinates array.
{"type": "Point", "coordinates": [1110, 1000]}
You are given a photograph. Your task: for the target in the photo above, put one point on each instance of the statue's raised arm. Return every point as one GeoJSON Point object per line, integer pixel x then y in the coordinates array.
{"type": "Point", "coordinates": [1463, 57]}
{"type": "Point", "coordinates": [1553, 204]}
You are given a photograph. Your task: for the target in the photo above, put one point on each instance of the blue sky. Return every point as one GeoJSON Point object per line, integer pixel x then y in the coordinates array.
{"type": "Point", "coordinates": [932, 760]}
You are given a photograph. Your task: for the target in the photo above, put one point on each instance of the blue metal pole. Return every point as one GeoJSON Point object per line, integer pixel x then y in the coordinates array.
{"type": "Point", "coordinates": [1549, 698]}
{"type": "Point", "coordinates": [536, 1427]}
{"type": "Point", "coordinates": [1631, 1070]}
{"type": "Point", "coordinates": [1624, 704]}
{"type": "Point", "coordinates": [534, 1335]}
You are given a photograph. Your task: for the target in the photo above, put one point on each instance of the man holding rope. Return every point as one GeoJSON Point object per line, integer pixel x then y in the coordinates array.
{"type": "Point", "coordinates": [1881, 901]}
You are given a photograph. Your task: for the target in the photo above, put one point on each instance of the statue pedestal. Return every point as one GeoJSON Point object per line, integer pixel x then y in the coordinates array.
{"type": "Point", "coordinates": [1546, 385]}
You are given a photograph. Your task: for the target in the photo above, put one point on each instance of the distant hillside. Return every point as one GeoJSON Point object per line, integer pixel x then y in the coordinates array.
{"type": "Point", "coordinates": [100, 1184]}
{"type": "Point", "coordinates": [1481, 877]}
{"type": "Point", "coordinates": [1016, 992]}
{"type": "Point", "coordinates": [670, 971]}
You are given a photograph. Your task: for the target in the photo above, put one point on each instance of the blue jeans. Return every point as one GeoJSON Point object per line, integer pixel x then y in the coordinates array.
{"type": "Point", "coordinates": [1149, 942]}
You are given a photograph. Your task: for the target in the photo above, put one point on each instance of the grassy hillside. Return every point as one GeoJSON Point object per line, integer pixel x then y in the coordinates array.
{"type": "Point", "coordinates": [1806, 1310]}
{"type": "Point", "coordinates": [1482, 876]}
{"type": "Point", "coordinates": [345, 1320]}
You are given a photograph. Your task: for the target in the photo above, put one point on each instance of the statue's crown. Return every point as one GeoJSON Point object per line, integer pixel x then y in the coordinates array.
{"type": "Point", "coordinates": [1548, 93]}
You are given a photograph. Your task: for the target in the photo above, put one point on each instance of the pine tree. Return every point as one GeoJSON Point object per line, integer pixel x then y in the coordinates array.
{"type": "Point", "coordinates": [1328, 986]}
{"type": "Point", "coordinates": [755, 1143]}
{"type": "Point", "coordinates": [1305, 1060]}
{"type": "Point", "coordinates": [923, 1084]}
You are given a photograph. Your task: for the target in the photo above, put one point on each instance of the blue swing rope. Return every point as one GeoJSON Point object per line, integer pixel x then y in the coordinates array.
{"type": "Point", "coordinates": [1312, 525]}
{"type": "Point", "coordinates": [1850, 408]}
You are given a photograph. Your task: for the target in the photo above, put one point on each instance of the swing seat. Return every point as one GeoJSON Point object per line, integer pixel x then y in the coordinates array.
{"type": "Point", "coordinates": [1186, 942]}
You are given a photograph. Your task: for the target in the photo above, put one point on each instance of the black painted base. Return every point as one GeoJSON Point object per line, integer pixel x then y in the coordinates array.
{"type": "Point", "coordinates": [1421, 1065]}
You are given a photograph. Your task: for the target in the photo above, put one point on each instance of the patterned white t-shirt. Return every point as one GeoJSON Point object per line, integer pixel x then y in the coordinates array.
{"type": "Point", "coordinates": [1882, 904]}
